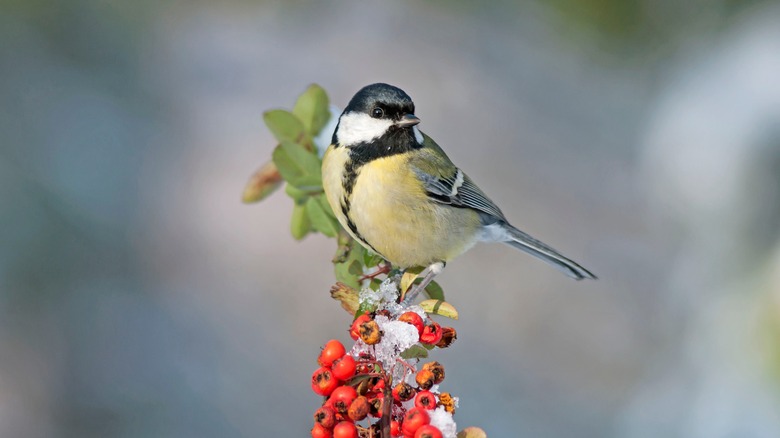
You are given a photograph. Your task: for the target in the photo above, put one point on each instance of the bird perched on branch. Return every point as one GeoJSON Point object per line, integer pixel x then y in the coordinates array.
{"type": "Point", "coordinates": [397, 193]}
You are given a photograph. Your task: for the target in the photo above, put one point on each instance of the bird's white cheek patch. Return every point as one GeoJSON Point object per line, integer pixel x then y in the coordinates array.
{"type": "Point", "coordinates": [357, 128]}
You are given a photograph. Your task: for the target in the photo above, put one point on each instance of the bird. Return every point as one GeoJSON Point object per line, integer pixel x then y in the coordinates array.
{"type": "Point", "coordinates": [398, 194]}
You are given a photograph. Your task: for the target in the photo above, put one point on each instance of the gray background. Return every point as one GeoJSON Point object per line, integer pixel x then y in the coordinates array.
{"type": "Point", "coordinates": [140, 298]}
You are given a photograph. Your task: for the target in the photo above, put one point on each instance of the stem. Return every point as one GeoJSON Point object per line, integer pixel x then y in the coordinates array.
{"type": "Point", "coordinates": [387, 408]}
{"type": "Point", "coordinates": [406, 365]}
{"type": "Point", "coordinates": [381, 269]}
{"type": "Point", "coordinates": [367, 361]}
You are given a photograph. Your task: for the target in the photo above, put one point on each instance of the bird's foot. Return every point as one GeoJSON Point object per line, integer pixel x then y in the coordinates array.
{"type": "Point", "coordinates": [411, 295]}
{"type": "Point", "coordinates": [433, 270]}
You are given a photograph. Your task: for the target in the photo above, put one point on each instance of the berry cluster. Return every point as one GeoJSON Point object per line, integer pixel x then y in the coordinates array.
{"type": "Point", "coordinates": [370, 395]}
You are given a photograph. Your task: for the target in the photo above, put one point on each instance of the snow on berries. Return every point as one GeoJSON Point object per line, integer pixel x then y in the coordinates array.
{"type": "Point", "coordinates": [379, 375]}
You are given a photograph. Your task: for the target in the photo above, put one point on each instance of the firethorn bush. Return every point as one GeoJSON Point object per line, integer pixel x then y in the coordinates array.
{"type": "Point", "coordinates": [383, 385]}
{"type": "Point", "coordinates": [380, 383]}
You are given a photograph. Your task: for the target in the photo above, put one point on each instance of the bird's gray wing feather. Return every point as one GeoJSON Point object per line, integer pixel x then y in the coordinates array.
{"type": "Point", "coordinates": [458, 190]}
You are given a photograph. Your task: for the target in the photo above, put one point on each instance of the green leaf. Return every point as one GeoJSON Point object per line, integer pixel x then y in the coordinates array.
{"type": "Point", "coordinates": [312, 109]}
{"type": "Point", "coordinates": [345, 244]}
{"type": "Point", "coordinates": [365, 308]}
{"type": "Point", "coordinates": [411, 276]}
{"type": "Point", "coordinates": [356, 268]}
{"type": "Point", "coordinates": [325, 205]}
{"type": "Point", "coordinates": [354, 381]}
{"type": "Point", "coordinates": [347, 263]}
{"type": "Point", "coordinates": [408, 279]}
{"type": "Point", "coordinates": [299, 224]}
{"type": "Point", "coordinates": [434, 291]}
{"type": "Point", "coordinates": [346, 273]}
{"type": "Point", "coordinates": [321, 220]}
{"type": "Point", "coordinates": [300, 196]}
{"type": "Point", "coordinates": [439, 307]}
{"type": "Point", "coordinates": [370, 259]}
{"type": "Point", "coordinates": [351, 269]}
{"type": "Point", "coordinates": [356, 252]}
{"type": "Point", "coordinates": [416, 351]}
{"type": "Point", "coordinates": [298, 166]}
{"type": "Point", "coordinates": [284, 125]}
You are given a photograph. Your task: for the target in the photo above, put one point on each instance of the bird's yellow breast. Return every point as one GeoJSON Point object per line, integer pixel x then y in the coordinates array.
{"type": "Point", "coordinates": [391, 213]}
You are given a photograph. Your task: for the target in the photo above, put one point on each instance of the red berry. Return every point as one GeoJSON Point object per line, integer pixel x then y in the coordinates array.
{"type": "Point", "coordinates": [379, 386]}
{"type": "Point", "coordinates": [403, 392]}
{"type": "Point", "coordinates": [413, 319]}
{"type": "Point", "coordinates": [346, 429]}
{"type": "Point", "coordinates": [332, 350]}
{"type": "Point", "coordinates": [370, 333]}
{"type": "Point", "coordinates": [395, 428]}
{"type": "Point", "coordinates": [376, 404]}
{"type": "Point", "coordinates": [344, 368]}
{"type": "Point", "coordinates": [364, 368]}
{"type": "Point", "coordinates": [431, 334]}
{"type": "Point", "coordinates": [342, 397]}
{"type": "Point", "coordinates": [425, 400]}
{"type": "Point", "coordinates": [339, 416]}
{"type": "Point", "coordinates": [359, 409]}
{"type": "Point", "coordinates": [325, 416]}
{"type": "Point", "coordinates": [323, 382]}
{"type": "Point", "coordinates": [414, 419]}
{"type": "Point", "coordinates": [354, 331]}
{"type": "Point", "coordinates": [320, 432]}
{"type": "Point", "coordinates": [428, 431]}
{"type": "Point", "coordinates": [448, 336]}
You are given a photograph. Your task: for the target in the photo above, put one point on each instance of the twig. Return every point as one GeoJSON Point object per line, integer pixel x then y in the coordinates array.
{"type": "Point", "coordinates": [387, 406]}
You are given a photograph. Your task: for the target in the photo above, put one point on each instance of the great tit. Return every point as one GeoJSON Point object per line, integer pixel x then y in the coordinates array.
{"type": "Point", "coordinates": [395, 191]}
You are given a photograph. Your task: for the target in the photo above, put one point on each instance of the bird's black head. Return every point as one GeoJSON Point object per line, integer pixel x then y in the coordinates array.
{"type": "Point", "coordinates": [377, 111]}
{"type": "Point", "coordinates": [381, 101]}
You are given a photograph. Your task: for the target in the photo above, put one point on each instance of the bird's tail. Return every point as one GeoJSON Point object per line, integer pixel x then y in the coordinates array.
{"type": "Point", "coordinates": [524, 242]}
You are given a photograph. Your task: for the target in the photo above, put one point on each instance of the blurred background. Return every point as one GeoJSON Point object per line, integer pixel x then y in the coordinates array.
{"type": "Point", "coordinates": [140, 298]}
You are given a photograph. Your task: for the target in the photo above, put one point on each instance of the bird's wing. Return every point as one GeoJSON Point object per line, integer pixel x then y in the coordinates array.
{"type": "Point", "coordinates": [458, 190]}
{"type": "Point", "coordinates": [446, 184]}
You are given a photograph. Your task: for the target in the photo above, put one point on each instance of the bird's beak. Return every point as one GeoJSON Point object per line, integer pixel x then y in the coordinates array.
{"type": "Point", "coordinates": [407, 121]}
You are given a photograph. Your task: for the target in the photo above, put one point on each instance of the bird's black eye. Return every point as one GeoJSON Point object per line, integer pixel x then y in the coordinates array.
{"type": "Point", "coordinates": [377, 113]}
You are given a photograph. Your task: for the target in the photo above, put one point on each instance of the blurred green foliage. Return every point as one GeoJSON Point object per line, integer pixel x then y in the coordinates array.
{"type": "Point", "coordinates": [632, 27]}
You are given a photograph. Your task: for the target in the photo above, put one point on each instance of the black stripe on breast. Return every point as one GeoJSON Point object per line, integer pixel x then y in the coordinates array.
{"type": "Point", "coordinates": [394, 142]}
{"type": "Point", "coordinates": [353, 227]}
